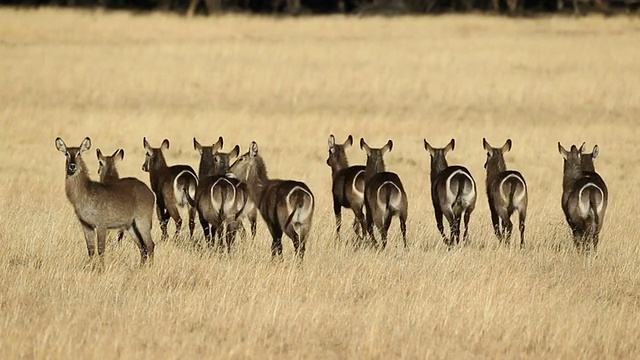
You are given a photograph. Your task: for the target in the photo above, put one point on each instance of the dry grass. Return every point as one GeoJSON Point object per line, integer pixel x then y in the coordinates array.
{"type": "Point", "coordinates": [288, 84]}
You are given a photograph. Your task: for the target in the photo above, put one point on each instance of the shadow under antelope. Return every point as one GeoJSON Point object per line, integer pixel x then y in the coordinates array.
{"type": "Point", "coordinates": [120, 204]}
{"type": "Point", "coordinates": [108, 172]}
{"type": "Point", "coordinates": [168, 183]}
{"type": "Point", "coordinates": [584, 198]}
{"type": "Point", "coordinates": [453, 193]}
{"type": "Point", "coordinates": [347, 186]}
{"type": "Point", "coordinates": [286, 206]}
{"type": "Point", "coordinates": [384, 195]}
{"type": "Point", "coordinates": [506, 193]}
{"type": "Point", "coordinates": [221, 201]}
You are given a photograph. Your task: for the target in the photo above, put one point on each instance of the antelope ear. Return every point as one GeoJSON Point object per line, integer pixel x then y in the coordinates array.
{"type": "Point", "coordinates": [218, 145]}
{"type": "Point", "coordinates": [349, 142]}
{"type": "Point", "coordinates": [563, 151]}
{"type": "Point", "coordinates": [583, 147]}
{"type": "Point", "coordinates": [365, 147]}
{"type": "Point", "coordinates": [450, 146]}
{"type": "Point", "coordinates": [119, 155]}
{"type": "Point", "coordinates": [253, 149]}
{"type": "Point", "coordinates": [197, 146]}
{"type": "Point", "coordinates": [387, 147]}
{"type": "Point", "coordinates": [99, 155]}
{"type": "Point", "coordinates": [332, 143]}
{"type": "Point", "coordinates": [596, 151]}
{"type": "Point", "coordinates": [86, 145]}
{"type": "Point", "coordinates": [485, 144]}
{"type": "Point", "coordinates": [146, 145]}
{"type": "Point", "coordinates": [61, 146]}
{"type": "Point", "coordinates": [235, 152]}
{"type": "Point", "coordinates": [428, 147]}
{"type": "Point", "coordinates": [165, 144]}
{"type": "Point", "coordinates": [507, 146]}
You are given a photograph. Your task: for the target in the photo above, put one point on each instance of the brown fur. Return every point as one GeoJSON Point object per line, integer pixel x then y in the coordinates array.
{"type": "Point", "coordinates": [582, 188]}
{"type": "Point", "coordinates": [286, 206]}
{"type": "Point", "coordinates": [501, 182]}
{"type": "Point", "coordinates": [168, 183]}
{"type": "Point", "coordinates": [384, 195]}
{"type": "Point", "coordinates": [120, 204]}
{"type": "Point", "coordinates": [222, 201]}
{"type": "Point", "coordinates": [108, 172]}
{"type": "Point", "coordinates": [347, 186]}
{"type": "Point", "coordinates": [448, 181]}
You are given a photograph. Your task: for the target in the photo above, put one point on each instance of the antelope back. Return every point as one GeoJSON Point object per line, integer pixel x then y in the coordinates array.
{"type": "Point", "coordinates": [107, 165]}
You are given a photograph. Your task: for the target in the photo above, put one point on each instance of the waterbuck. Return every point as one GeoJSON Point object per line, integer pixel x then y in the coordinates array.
{"type": "Point", "coordinates": [169, 183]}
{"type": "Point", "coordinates": [506, 192]}
{"type": "Point", "coordinates": [384, 195]}
{"type": "Point", "coordinates": [221, 201]}
{"type": "Point", "coordinates": [286, 206]}
{"type": "Point", "coordinates": [584, 199]}
{"type": "Point", "coordinates": [120, 204]}
{"type": "Point", "coordinates": [108, 172]}
{"type": "Point", "coordinates": [347, 185]}
{"type": "Point", "coordinates": [453, 193]}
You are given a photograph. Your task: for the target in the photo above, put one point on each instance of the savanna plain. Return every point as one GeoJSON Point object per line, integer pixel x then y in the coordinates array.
{"type": "Point", "coordinates": [287, 84]}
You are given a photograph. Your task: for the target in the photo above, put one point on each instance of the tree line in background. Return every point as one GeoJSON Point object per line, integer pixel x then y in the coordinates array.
{"type": "Point", "coordinates": [362, 7]}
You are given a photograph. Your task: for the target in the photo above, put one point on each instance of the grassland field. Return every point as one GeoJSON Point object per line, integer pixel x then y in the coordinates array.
{"type": "Point", "coordinates": [287, 84]}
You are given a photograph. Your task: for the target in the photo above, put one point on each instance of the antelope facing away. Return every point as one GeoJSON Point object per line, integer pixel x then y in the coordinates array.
{"type": "Point", "coordinates": [384, 195]}
{"type": "Point", "coordinates": [221, 201]}
{"type": "Point", "coordinates": [169, 183]}
{"type": "Point", "coordinates": [120, 204]}
{"type": "Point", "coordinates": [108, 172]}
{"type": "Point", "coordinates": [453, 192]}
{"type": "Point", "coordinates": [584, 198]}
{"type": "Point", "coordinates": [286, 206]}
{"type": "Point", "coordinates": [506, 192]}
{"type": "Point", "coordinates": [347, 185]}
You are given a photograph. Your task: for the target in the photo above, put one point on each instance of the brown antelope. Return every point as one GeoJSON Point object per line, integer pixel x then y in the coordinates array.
{"type": "Point", "coordinates": [286, 206]}
{"type": "Point", "coordinates": [384, 195]}
{"type": "Point", "coordinates": [221, 200]}
{"type": "Point", "coordinates": [506, 192]}
{"type": "Point", "coordinates": [453, 193]}
{"type": "Point", "coordinates": [584, 198]}
{"type": "Point", "coordinates": [108, 172]}
{"type": "Point", "coordinates": [168, 183]}
{"type": "Point", "coordinates": [120, 204]}
{"type": "Point", "coordinates": [347, 185]}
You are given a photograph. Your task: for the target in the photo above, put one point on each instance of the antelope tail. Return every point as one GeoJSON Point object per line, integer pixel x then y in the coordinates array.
{"type": "Point", "coordinates": [243, 199]}
{"type": "Point", "coordinates": [457, 205]}
{"type": "Point", "coordinates": [189, 182]}
{"type": "Point", "coordinates": [297, 198]}
{"type": "Point", "coordinates": [512, 192]}
{"type": "Point", "coordinates": [593, 206]}
{"type": "Point", "coordinates": [187, 195]}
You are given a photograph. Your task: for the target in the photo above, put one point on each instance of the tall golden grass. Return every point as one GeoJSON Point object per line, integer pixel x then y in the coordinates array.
{"type": "Point", "coordinates": [288, 84]}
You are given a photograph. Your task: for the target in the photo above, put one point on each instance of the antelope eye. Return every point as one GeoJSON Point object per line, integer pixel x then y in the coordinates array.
{"type": "Point", "coordinates": [66, 154]}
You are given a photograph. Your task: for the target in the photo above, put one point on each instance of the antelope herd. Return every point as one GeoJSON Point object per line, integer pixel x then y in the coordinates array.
{"type": "Point", "coordinates": [225, 194]}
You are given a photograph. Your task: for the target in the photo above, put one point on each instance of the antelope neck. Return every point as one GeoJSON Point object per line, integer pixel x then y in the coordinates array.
{"type": "Point", "coordinates": [438, 164]}
{"type": "Point", "coordinates": [572, 171]}
{"type": "Point", "coordinates": [495, 166]}
{"type": "Point", "coordinates": [374, 166]}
